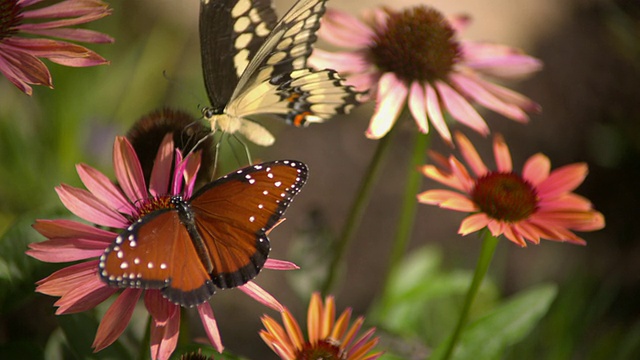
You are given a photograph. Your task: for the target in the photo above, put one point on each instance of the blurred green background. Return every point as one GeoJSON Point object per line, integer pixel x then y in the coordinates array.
{"type": "Point", "coordinates": [589, 92]}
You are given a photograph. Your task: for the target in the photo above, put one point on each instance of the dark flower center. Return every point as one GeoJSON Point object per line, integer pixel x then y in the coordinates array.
{"type": "Point", "coordinates": [418, 44]}
{"type": "Point", "coordinates": [505, 196]}
{"type": "Point", "coordinates": [10, 17]}
{"type": "Point", "coordinates": [322, 350]}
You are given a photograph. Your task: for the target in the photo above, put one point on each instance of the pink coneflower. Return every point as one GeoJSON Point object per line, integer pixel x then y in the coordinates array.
{"type": "Point", "coordinates": [118, 206]}
{"type": "Point", "coordinates": [19, 56]}
{"type": "Point", "coordinates": [327, 338]}
{"type": "Point", "coordinates": [529, 206]}
{"type": "Point", "coordinates": [414, 57]}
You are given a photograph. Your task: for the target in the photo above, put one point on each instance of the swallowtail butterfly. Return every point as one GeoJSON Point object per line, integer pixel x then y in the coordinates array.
{"type": "Point", "coordinates": [256, 66]}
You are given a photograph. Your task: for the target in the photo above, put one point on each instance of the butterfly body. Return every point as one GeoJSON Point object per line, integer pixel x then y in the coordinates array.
{"type": "Point", "coordinates": [254, 66]}
{"type": "Point", "coordinates": [216, 239]}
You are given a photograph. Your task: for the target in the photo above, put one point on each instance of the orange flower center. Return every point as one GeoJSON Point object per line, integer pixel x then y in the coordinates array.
{"type": "Point", "coordinates": [322, 350]}
{"type": "Point", "coordinates": [155, 203]}
{"type": "Point", "coordinates": [417, 44]}
{"type": "Point", "coordinates": [10, 17]}
{"type": "Point", "coordinates": [505, 196]}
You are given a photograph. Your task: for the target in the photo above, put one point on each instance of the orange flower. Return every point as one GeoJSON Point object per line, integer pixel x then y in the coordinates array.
{"type": "Point", "coordinates": [327, 338]}
{"type": "Point", "coordinates": [529, 206]}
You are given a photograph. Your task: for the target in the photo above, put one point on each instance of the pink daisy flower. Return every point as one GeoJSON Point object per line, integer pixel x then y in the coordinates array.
{"type": "Point", "coordinates": [414, 56]}
{"type": "Point", "coordinates": [327, 338]}
{"type": "Point", "coordinates": [19, 56]}
{"type": "Point", "coordinates": [536, 204]}
{"type": "Point", "coordinates": [118, 206]}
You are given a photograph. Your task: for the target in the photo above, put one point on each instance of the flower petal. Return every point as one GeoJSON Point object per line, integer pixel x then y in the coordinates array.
{"type": "Point", "coordinates": [473, 223]}
{"type": "Point", "coordinates": [65, 250]}
{"type": "Point", "coordinates": [460, 109]}
{"type": "Point", "coordinates": [392, 94]}
{"type": "Point", "coordinates": [502, 154]}
{"type": "Point", "coordinates": [342, 29]}
{"type": "Point", "coordinates": [435, 113]}
{"type": "Point", "coordinates": [274, 264]}
{"type": "Point", "coordinates": [86, 206]}
{"type": "Point", "coordinates": [418, 106]}
{"type": "Point", "coordinates": [563, 179]}
{"type": "Point", "coordinates": [536, 169]}
{"type": "Point", "coordinates": [314, 316]}
{"type": "Point", "coordinates": [498, 60]}
{"type": "Point", "coordinates": [210, 325]}
{"type": "Point", "coordinates": [161, 171]}
{"type": "Point", "coordinates": [164, 338]}
{"type": "Point", "coordinates": [84, 297]}
{"type": "Point", "coordinates": [68, 278]}
{"type": "Point", "coordinates": [260, 295]}
{"type": "Point", "coordinates": [470, 155]}
{"type": "Point", "coordinates": [60, 52]}
{"type": "Point", "coordinates": [116, 318]}
{"type": "Point", "coordinates": [69, 229]}
{"type": "Point", "coordinates": [128, 170]}
{"type": "Point", "coordinates": [100, 186]}
{"type": "Point", "coordinates": [448, 200]}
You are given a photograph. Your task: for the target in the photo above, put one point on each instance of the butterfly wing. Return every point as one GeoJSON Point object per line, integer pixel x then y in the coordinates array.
{"type": "Point", "coordinates": [234, 214]}
{"type": "Point", "coordinates": [277, 81]}
{"type": "Point", "coordinates": [231, 32]}
{"type": "Point", "coordinates": [157, 252]}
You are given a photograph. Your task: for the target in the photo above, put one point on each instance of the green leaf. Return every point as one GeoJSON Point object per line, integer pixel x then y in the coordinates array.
{"type": "Point", "coordinates": [487, 337]}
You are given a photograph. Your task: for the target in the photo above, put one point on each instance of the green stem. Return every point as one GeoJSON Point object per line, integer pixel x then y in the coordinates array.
{"type": "Point", "coordinates": [489, 244]}
{"type": "Point", "coordinates": [356, 211]}
{"type": "Point", "coordinates": [409, 204]}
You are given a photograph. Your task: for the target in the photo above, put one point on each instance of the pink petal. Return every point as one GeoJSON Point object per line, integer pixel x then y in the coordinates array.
{"type": "Point", "coordinates": [475, 91]}
{"type": "Point", "coordinates": [85, 297]}
{"type": "Point", "coordinates": [68, 278]}
{"type": "Point", "coordinates": [392, 94]}
{"type": "Point", "coordinates": [473, 223]}
{"type": "Point", "coordinates": [343, 62]}
{"type": "Point", "coordinates": [565, 202]}
{"type": "Point", "coordinates": [191, 171]}
{"type": "Point", "coordinates": [435, 113]}
{"type": "Point", "coordinates": [161, 171]}
{"type": "Point", "coordinates": [60, 52]}
{"type": "Point", "coordinates": [81, 35]}
{"type": "Point", "coordinates": [260, 295]}
{"type": "Point", "coordinates": [363, 82]}
{"type": "Point", "coordinates": [86, 206]}
{"type": "Point", "coordinates": [342, 29]}
{"type": "Point", "coordinates": [448, 200]}
{"type": "Point", "coordinates": [22, 68]}
{"type": "Point", "coordinates": [502, 154]}
{"type": "Point", "coordinates": [128, 170]}
{"type": "Point", "coordinates": [499, 60]}
{"type": "Point", "coordinates": [536, 169]}
{"type": "Point", "coordinates": [274, 264]}
{"type": "Point", "coordinates": [528, 231]}
{"type": "Point", "coordinates": [575, 220]}
{"type": "Point", "coordinates": [68, 229]}
{"type": "Point", "coordinates": [442, 177]}
{"type": "Point", "coordinates": [459, 22]}
{"type": "Point", "coordinates": [68, 8]}
{"type": "Point", "coordinates": [460, 109]}
{"type": "Point", "coordinates": [179, 167]}
{"type": "Point", "coordinates": [460, 172]}
{"type": "Point", "coordinates": [159, 308]}
{"type": "Point", "coordinates": [418, 106]}
{"type": "Point", "coordinates": [563, 179]}
{"type": "Point", "coordinates": [210, 325]}
{"type": "Point", "coordinates": [164, 338]}
{"type": "Point", "coordinates": [116, 318]}
{"type": "Point", "coordinates": [510, 96]}
{"type": "Point", "coordinates": [65, 250]}
{"type": "Point", "coordinates": [28, 27]}
{"type": "Point", "coordinates": [470, 155]}
{"type": "Point", "coordinates": [100, 186]}
{"type": "Point", "coordinates": [514, 236]}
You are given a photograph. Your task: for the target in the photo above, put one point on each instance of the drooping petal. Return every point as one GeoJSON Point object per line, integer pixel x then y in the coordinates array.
{"type": "Point", "coordinates": [498, 60]}
{"type": "Point", "coordinates": [60, 52]}
{"type": "Point", "coordinates": [69, 229]}
{"type": "Point", "coordinates": [418, 106]}
{"type": "Point", "coordinates": [159, 308]}
{"type": "Point", "coordinates": [66, 250]}
{"type": "Point", "coordinates": [473, 223]}
{"type": "Point", "coordinates": [275, 264]}
{"type": "Point", "coordinates": [460, 109]}
{"type": "Point", "coordinates": [68, 278]}
{"type": "Point", "coordinates": [509, 96]}
{"type": "Point", "coordinates": [260, 295]}
{"type": "Point", "coordinates": [68, 8]}
{"type": "Point", "coordinates": [392, 94]}
{"type": "Point", "coordinates": [210, 325]}
{"type": "Point", "coordinates": [164, 337]}
{"type": "Point", "coordinates": [84, 297]}
{"type": "Point", "coordinates": [435, 113]}
{"type": "Point", "coordinates": [81, 35]}
{"type": "Point", "coordinates": [346, 63]}
{"type": "Point", "coordinates": [116, 318]}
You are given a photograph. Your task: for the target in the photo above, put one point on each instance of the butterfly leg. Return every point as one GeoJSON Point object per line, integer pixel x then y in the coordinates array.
{"type": "Point", "coordinates": [246, 149]}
